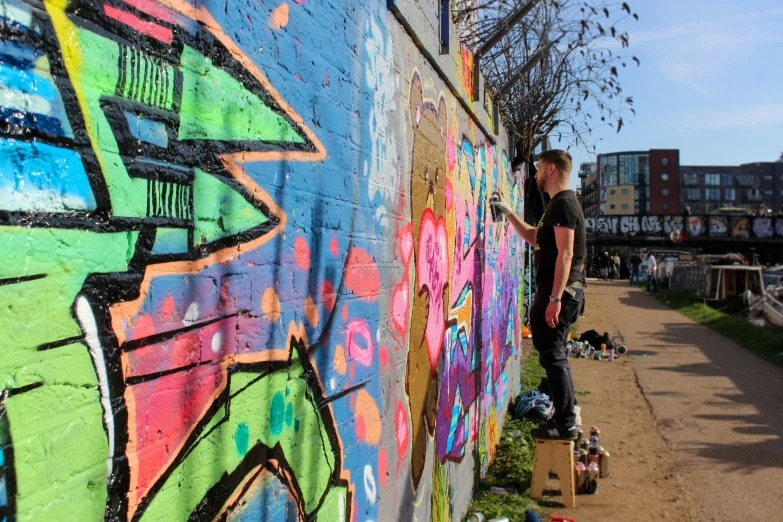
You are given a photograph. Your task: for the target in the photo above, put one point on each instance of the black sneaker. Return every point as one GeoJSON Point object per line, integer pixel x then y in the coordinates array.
{"type": "Point", "coordinates": [554, 431]}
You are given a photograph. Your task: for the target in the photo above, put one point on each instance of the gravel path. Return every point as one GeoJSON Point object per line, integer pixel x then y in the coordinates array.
{"type": "Point", "coordinates": [717, 407]}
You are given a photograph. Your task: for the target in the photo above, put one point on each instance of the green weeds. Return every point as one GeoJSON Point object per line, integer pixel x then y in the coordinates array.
{"type": "Point", "coordinates": [512, 466]}
{"type": "Point", "coordinates": [767, 342]}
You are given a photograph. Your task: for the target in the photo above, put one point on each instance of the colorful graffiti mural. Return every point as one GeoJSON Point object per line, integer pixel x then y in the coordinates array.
{"type": "Point", "coordinates": [204, 240]}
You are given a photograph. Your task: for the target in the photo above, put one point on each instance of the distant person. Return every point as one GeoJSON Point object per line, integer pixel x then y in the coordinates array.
{"type": "Point", "coordinates": [605, 266]}
{"type": "Point", "coordinates": [636, 269]}
{"type": "Point", "coordinates": [560, 240]}
{"type": "Point", "coordinates": [652, 272]}
{"type": "Point", "coordinates": [612, 268]}
{"type": "Point", "coordinates": [618, 263]}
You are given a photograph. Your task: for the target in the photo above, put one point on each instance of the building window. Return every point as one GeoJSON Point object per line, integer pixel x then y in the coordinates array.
{"type": "Point", "coordinates": [693, 194]}
{"type": "Point", "coordinates": [665, 192]}
{"type": "Point", "coordinates": [745, 180]}
{"type": "Point", "coordinates": [767, 178]}
{"type": "Point", "coordinates": [691, 179]}
{"type": "Point", "coordinates": [712, 194]}
{"type": "Point", "coordinates": [753, 194]}
{"type": "Point", "coordinates": [624, 191]}
{"type": "Point", "coordinates": [730, 195]}
{"type": "Point", "coordinates": [611, 192]}
{"type": "Point", "coordinates": [665, 161]}
{"type": "Point", "coordinates": [712, 179]}
{"type": "Point", "coordinates": [624, 206]}
{"type": "Point", "coordinates": [611, 207]}
{"type": "Point", "coordinates": [665, 206]}
{"type": "Point", "coordinates": [725, 179]}
{"type": "Point", "coordinates": [664, 176]}
{"type": "Point", "coordinates": [768, 192]}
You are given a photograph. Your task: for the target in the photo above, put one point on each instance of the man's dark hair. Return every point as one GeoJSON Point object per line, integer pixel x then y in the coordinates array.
{"type": "Point", "coordinates": [559, 158]}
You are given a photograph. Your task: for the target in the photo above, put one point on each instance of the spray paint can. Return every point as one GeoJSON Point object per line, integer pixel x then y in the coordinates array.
{"type": "Point", "coordinates": [603, 348]}
{"type": "Point", "coordinates": [611, 355]}
{"type": "Point", "coordinates": [579, 435]}
{"type": "Point", "coordinates": [583, 444]}
{"type": "Point", "coordinates": [581, 477]}
{"type": "Point", "coordinates": [593, 446]}
{"type": "Point", "coordinates": [583, 456]}
{"type": "Point", "coordinates": [568, 349]}
{"type": "Point", "coordinates": [603, 464]}
{"type": "Point", "coordinates": [476, 517]}
{"type": "Point", "coordinates": [595, 432]}
{"type": "Point", "coordinates": [592, 477]}
{"type": "Point", "coordinates": [497, 215]}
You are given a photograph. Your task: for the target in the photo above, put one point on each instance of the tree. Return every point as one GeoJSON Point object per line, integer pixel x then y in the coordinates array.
{"type": "Point", "coordinates": [575, 88]}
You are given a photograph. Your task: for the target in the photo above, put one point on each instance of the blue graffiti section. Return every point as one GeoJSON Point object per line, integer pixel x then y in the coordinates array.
{"type": "Point", "coordinates": [28, 96]}
{"type": "Point", "coordinates": [43, 178]}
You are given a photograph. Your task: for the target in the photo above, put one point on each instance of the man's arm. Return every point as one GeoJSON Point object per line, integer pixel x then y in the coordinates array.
{"type": "Point", "coordinates": [564, 238]}
{"type": "Point", "coordinates": [527, 232]}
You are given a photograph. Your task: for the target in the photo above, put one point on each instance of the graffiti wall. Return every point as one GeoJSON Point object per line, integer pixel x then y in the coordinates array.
{"type": "Point", "coordinates": [250, 272]}
{"type": "Point", "coordinates": [735, 227]}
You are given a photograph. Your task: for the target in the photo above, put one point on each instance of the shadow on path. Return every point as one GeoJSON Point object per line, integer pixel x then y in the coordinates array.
{"type": "Point", "coordinates": [759, 383]}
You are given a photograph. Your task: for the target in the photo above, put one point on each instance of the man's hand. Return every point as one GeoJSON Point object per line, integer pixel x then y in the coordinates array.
{"type": "Point", "coordinates": [553, 314]}
{"type": "Point", "coordinates": [501, 204]}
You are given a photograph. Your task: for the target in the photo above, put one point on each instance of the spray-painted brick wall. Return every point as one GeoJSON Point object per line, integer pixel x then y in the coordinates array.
{"type": "Point", "coordinates": [248, 266]}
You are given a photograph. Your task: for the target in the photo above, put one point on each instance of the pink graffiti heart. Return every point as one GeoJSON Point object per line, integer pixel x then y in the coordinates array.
{"type": "Point", "coordinates": [406, 243]}
{"type": "Point", "coordinates": [432, 272]}
{"type": "Point", "coordinates": [400, 301]}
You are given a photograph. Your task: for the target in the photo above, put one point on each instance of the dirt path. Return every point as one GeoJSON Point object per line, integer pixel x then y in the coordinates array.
{"type": "Point", "coordinates": [645, 484]}
{"type": "Point", "coordinates": [718, 406]}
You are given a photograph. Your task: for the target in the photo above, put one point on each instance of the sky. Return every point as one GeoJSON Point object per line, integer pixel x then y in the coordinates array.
{"type": "Point", "coordinates": [710, 82]}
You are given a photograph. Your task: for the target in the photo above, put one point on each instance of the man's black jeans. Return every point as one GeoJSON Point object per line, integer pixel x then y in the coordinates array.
{"type": "Point", "coordinates": [550, 344]}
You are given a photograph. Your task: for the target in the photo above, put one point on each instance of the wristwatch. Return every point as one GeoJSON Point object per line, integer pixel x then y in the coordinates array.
{"type": "Point", "coordinates": [553, 299]}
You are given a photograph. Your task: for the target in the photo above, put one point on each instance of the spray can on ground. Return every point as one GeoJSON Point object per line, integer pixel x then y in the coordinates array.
{"type": "Point", "coordinates": [603, 348]}
{"type": "Point", "coordinates": [595, 432]}
{"type": "Point", "coordinates": [611, 355]}
{"type": "Point", "coordinates": [583, 444]}
{"type": "Point", "coordinates": [593, 448]}
{"type": "Point", "coordinates": [580, 470]}
{"type": "Point", "coordinates": [603, 464]}
{"type": "Point", "coordinates": [592, 477]}
{"type": "Point", "coordinates": [579, 435]}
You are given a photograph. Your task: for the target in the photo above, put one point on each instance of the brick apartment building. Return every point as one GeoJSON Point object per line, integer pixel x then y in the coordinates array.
{"type": "Point", "coordinates": [654, 182]}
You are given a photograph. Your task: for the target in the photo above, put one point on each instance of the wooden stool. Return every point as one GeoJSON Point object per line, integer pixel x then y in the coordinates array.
{"type": "Point", "coordinates": [557, 456]}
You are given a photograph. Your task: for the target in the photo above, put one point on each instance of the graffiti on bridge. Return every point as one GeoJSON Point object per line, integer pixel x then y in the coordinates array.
{"type": "Point", "coordinates": [755, 227]}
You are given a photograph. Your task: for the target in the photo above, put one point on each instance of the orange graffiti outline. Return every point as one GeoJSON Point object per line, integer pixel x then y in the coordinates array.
{"type": "Point", "coordinates": [232, 163]}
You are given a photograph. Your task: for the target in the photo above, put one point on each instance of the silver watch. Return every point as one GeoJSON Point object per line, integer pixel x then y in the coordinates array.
{"type": "Point", "coordinates": [553, 299]}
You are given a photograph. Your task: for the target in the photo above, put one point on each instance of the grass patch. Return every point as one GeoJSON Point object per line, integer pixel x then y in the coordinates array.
{"type": "Point", "coordinates": [766, 342]}
{"type": "Point", "coordinates": [512, 466]}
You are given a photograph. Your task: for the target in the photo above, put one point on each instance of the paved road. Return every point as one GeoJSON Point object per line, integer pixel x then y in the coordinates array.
{"type": "Point", "coordinates": [719, 407]}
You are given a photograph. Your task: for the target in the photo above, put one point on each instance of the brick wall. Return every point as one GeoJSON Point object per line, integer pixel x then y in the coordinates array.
{"type": "Point", "coordinates": [249, 266]}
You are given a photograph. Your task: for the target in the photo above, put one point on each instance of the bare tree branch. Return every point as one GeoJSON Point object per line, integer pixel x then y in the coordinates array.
{"type": "Point", "coordinates": [575, 88]}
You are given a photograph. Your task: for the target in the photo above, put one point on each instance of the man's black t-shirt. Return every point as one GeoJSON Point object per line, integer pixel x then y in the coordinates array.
{"type": "Point", "coordinates": [563, 210]}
